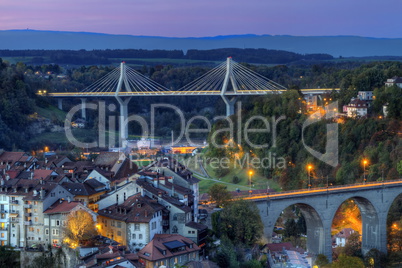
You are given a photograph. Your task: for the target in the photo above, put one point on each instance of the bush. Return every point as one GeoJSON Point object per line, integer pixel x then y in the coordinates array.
{"type": "Point", "coordinates": [235, 180]}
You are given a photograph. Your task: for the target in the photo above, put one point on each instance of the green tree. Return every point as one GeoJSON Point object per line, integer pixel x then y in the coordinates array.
{"type": "Point", "coordinates": [290, 228]}
{"type": "Point", "coordinates": [251, 264]}
{"type": "Point", "coordinates": [348, 261]}
{"type": "Point", "coordinates": [353, 246]}
{"type": "Point", "coordinates": [399, 167]}
{"type": "Point", "coordinates": [80, 226]}
{"type": "Point", "coordinates": [321, 260]}
{"type": "Point", "coordinates": [241, 222]}
{"type": "Point", "coordinates": [226, 256]}
{"type": "Point", "coordinates": [219, 194]}
{"type": "Point", "coordinates": [9, 257]}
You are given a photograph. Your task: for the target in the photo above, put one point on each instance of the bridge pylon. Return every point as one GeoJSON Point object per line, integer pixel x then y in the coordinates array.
{"type": "Point", "coordinates": [229, 77]}
{"type": "Point", "coordinates": [123, 102]}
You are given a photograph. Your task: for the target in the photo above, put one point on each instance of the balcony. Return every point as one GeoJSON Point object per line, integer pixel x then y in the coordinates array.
{"type": "Point", "coordinates": [14, 213]}
{"type": "Point", "coordinates": [3, 228]}
{"type": "Point", "coordinates": [27, 222]}
{"type": "Point", "coordinates": [27, 206]}
{"type": "Point", "coordinates": [3, 211]}
{"type": "Point", "coordinates": [28, 214]}
{"type": "Point", "coordinates": [14, 220]}
{"type": "Point", "coordinates": [14, 202]}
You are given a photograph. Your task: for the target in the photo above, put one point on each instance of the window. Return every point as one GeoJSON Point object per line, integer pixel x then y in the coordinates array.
{"type": "Point", "coordinates": [46, 231]}
{"type": "Point", "coordinates": [118, 224]}
{"type": "Point", "coordinates": [134, 236]}
{"type": "Point", "coordinates": [174, 229]}
{"type": "Point", "coordinates": [119, 233]}
{"type": "Point", "coordinates": [2, 235]}
{"type": "Point", "coordinates": [140, 236]}
{"type": "Point", "coordinates": [137, 226]}
{"type": "Point", "coordinates": [55, 232]}
{"type": "Point", "coordinates": [57, 223]}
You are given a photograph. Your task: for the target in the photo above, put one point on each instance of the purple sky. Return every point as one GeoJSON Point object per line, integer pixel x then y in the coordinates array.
{"type": "Point", "coordinates": [190, 18]}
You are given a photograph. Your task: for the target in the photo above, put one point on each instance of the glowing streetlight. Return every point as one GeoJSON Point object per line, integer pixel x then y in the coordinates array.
{"type": "Point", "coordinates": [309, 167]}
{"type": "Point", "coordinates": [250, 173]}
{"type": "Point", "coordinates": [364, 170]}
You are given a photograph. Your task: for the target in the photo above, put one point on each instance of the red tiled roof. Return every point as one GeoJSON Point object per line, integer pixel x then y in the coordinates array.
{"type": "Point", "coordinates": [42, 173]}
{"type": "Point", "coordinates": [279, 246]}
{"type": "Point", "coordinates": [345, 233]}
{"type": "Point", "coordinates": [153, 251]}
{"type": "Point", "coordinates": [135, 209]}
{"type": "Point", "coordinates": [62, 207]}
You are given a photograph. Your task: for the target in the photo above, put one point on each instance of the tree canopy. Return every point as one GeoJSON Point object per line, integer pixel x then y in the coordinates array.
{"type": "Point", "coordinates": [80, 226]}
{"type": "Point", "coordinates": [241, 222]}
{"type": "Point", "coordinates": [219, 194]}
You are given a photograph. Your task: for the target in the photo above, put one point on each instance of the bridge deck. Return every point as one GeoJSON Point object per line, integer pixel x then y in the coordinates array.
{"type": "Point", "coordinates": [175, 93]}
{"type": "Point", "coordinates": [340, 188]}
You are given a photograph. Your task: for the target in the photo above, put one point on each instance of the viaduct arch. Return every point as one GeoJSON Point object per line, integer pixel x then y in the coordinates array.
{"type": "Point", "coordinates": [319, 207]}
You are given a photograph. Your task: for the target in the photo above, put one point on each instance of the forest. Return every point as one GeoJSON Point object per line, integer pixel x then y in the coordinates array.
{"type": "Point", "coordinates": [109, 56]}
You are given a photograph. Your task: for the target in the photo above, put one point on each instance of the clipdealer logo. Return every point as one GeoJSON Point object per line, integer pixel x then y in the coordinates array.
{"type": "Point", "coordinates": [331, 155]}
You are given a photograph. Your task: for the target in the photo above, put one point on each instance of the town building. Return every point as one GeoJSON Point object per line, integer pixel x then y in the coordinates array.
{"type": "Point", "coordinates": [342, 237]}
{"type": "Point", "coordinates": [55, 219]}
{"type": "Point", "coordinates": [394, 81]}
{"type": "Point", "coordinates": [132, 223]}
{"type": "Point", "coordinates": [168, 250]}
{"type": "Point", "coordinates": [356, 108]}
{"type": "Point", "coordinates": [365, 95]}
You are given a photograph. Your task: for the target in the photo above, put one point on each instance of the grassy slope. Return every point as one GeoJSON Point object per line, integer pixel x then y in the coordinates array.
{"type": "Point", "coordinates": [258, 181]}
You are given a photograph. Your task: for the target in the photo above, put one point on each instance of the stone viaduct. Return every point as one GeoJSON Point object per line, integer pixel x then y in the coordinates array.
{"type": "Point", "coordinates": [319, 205]}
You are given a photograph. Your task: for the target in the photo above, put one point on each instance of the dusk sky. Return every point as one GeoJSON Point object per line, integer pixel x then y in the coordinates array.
{"type": "Point", "coordinates": [189, 18]}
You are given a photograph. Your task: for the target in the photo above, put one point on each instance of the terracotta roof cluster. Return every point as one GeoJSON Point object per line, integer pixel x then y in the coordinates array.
{"type": "Point", "coordinates": [136, 209]}
{"type": "Point", "coordinates": [178, 168]}
{"type": "Point", "coordinates": [15, 160]}
{"type": "Point", "coordinates": [110, 256]}
{"type": "Point", "coordinates": [165, 246]}
{"type": "Point", "coordinates": [77, 188]}
{"type": "Point", "coordinates": [107, 159]}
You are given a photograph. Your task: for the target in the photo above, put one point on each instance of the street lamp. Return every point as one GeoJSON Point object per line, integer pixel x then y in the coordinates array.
{"type": "Point", "coordinates": [309, 167]}
{"type": "Point", "coordinates": [249, 179]}
{"type": "Point", "coordinates": [364, 170]}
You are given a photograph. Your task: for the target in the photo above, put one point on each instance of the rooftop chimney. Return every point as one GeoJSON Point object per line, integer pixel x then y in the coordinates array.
{"type": "Point", "coordinates": [42, 193]}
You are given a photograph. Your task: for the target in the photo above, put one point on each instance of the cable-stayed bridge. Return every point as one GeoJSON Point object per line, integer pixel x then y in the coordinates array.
{"type": "Point", "coordinates": [228, 80]}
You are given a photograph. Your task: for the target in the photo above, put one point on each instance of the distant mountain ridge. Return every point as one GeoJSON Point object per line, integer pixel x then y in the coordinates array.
{"type": "Point", "coordinates": [347, 46]}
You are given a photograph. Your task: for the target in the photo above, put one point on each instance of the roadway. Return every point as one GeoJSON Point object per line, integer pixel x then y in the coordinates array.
{"type": "Point", "coordinates": [321, 190]}
{"type": "Point", "coordinates": [175, 93]}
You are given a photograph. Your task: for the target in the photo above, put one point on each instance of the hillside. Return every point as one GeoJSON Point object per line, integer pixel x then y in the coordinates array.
{"type": "Point", "coordinates": [346, 46]}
